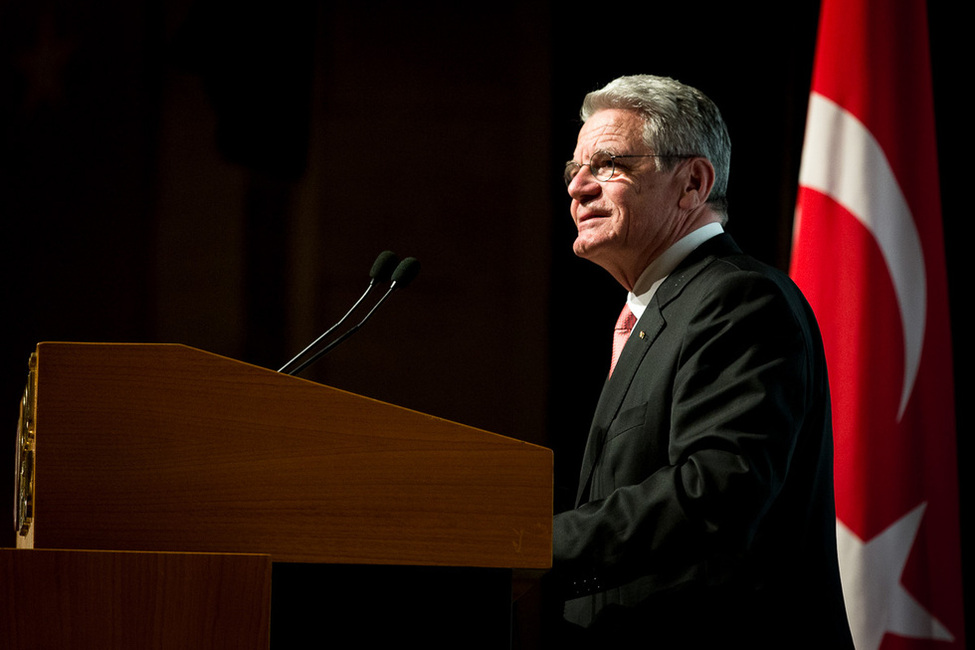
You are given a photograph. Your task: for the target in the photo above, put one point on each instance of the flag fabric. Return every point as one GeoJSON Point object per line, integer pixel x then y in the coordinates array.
{"type": "Point", "coordinates": [868, 252]}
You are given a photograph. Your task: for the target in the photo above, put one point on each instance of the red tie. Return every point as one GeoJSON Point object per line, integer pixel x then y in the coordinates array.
{"type": "Point", "coordinates": [624, 325]}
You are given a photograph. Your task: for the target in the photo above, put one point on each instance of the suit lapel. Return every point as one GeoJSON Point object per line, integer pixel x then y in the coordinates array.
{"type": "Point", "coordinates": [646, 331]}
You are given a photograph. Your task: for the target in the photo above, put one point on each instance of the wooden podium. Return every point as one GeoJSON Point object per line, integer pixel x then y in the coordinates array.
{"type": "Point", "coordinates": [101, 600]}
{"type": "Point", "coordinates": [164, 448]}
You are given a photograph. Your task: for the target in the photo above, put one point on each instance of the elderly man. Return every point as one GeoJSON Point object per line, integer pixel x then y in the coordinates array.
{"type": "Point", "coordinates": [704, 516]}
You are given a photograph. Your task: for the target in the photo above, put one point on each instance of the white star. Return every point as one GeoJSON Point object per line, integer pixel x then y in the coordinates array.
{"type": "Point", "coordinates": [876, 602]}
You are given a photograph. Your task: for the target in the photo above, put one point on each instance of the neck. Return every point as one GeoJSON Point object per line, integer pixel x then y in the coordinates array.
{"type": "Point", "coordinates": [629, 272]}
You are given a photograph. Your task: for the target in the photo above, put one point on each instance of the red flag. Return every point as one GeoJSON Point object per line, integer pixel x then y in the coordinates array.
{"type": "Point", "coordinates": [868, 252]}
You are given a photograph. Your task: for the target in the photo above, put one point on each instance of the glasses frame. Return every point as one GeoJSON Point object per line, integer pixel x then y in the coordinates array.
{"type": "Point", "coordinates": [577, 167]}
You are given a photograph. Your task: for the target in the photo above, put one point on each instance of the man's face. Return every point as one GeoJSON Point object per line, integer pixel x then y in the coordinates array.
{"type": "Point", "coordinates": [626, 222]}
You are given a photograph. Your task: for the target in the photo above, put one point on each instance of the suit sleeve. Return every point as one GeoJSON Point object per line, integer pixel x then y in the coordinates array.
{"type": "Point", "coordinates": [737, 399]}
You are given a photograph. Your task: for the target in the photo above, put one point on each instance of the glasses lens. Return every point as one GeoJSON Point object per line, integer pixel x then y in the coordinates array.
{"type": "Point", "coordinates": [571, 169]}
{"type": "Point", "coordinates": [601, 165]}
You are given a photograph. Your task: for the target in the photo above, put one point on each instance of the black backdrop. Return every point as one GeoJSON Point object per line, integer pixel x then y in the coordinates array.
{"type": "Point", "coordinates": [222, 174]}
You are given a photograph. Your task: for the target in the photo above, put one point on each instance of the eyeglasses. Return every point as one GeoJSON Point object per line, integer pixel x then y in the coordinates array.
{"type": "Point", "coordinates": [602, 164]}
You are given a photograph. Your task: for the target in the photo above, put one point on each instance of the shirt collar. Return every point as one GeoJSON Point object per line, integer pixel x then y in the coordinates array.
{"type": "Point", "coordinates": [654, 275]}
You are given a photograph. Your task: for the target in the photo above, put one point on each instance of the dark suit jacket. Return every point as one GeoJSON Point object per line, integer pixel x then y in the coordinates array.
{"type": "Point", "coordinates": [705, 512]}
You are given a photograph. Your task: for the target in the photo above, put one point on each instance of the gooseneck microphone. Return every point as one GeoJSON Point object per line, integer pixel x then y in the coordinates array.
{"type": "Point", "coordinates": [381, 271]}
{"type": "Point", "coordinates": [400, 277]}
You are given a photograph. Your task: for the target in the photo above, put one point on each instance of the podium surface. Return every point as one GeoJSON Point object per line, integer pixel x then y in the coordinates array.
{"type": "Point", "coordinates": [160, 447]}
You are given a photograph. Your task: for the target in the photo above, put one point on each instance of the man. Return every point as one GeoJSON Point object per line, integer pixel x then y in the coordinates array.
{"type": "Point", "coordinates": [705, 513]}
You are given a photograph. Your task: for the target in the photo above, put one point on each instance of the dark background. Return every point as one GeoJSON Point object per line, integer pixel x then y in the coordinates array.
{"type": "Point", "coordinates": [223, 174]}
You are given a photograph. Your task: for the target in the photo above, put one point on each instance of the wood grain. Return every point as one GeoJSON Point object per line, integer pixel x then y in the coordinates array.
{"type": "Point", "coordinates": [165, 447]}
{"type": "Point", "coordinates": [105, 600]}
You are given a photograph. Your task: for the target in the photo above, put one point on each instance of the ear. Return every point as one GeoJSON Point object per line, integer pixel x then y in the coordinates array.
{"type": "Point", "coordinates": [699, 179]}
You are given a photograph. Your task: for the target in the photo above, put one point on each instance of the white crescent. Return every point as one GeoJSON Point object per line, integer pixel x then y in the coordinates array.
{"type": "Point", "coordinates": [843, 160]}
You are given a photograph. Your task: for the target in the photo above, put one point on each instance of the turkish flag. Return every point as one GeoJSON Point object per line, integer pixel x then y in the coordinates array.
{"type": "Point", "coordinates": [868, 252]}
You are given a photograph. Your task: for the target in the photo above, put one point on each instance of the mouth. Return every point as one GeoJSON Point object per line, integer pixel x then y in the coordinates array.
{"type": "Point", "coordinates": [587, 217]}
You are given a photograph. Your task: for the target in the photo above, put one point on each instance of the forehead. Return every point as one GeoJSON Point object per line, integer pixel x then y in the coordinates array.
{"type": "Point", "coordinates": [613, 129]}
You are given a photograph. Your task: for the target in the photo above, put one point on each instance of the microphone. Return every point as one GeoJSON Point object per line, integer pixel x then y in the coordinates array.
{"type": "Point", "coordinates": [401, 277]}
{"type": "Point", "coordinates": [404, 273]}
{"type": "Point", "coordinates": [382, 271]}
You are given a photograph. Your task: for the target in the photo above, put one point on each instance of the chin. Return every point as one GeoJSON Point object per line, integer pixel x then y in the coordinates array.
{"type": "Point", "coordinates": [581, 250]}
{"type": "Point", "coordinates": [588, 249]}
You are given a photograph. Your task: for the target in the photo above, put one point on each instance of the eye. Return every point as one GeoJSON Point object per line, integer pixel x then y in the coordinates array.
{"type": "Point", "coordinates": [601, 165]}
{"type": "Point", "coordinates": [571, 169]}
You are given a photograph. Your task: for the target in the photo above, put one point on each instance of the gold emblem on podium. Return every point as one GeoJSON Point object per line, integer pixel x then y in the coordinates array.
{"type": "Point", "coordinates": [24, 467]}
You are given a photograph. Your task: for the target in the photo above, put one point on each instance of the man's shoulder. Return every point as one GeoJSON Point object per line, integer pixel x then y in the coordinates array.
{"type": "Point", "coordinates": [720, 271]}
{"type": "Point", "coordinates": [720, 260]}
{"type": "Point", "coordinates": [723, 248]}
{"type": "Point", "coordinates": [739, 270]}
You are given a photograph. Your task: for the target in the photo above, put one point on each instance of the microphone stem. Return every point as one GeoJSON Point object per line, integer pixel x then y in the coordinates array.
{"type": "Point", "coordinates": [349, 332]}
{"type": "Point", "coordinates": [289, 368]}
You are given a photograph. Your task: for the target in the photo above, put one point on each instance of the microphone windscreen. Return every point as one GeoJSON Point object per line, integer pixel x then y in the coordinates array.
{"type": "Point", "coordinates": [406, 271]}
{"type": "Point", "coordinates": [382, 268]}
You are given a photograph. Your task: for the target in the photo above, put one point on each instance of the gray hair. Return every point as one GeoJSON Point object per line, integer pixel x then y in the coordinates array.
{"type": "Point", "coordinates": [679, 120]}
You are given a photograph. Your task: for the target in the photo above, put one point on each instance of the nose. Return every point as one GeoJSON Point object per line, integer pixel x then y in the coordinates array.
{"type": "Point", "coordinates": [584, 185]}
